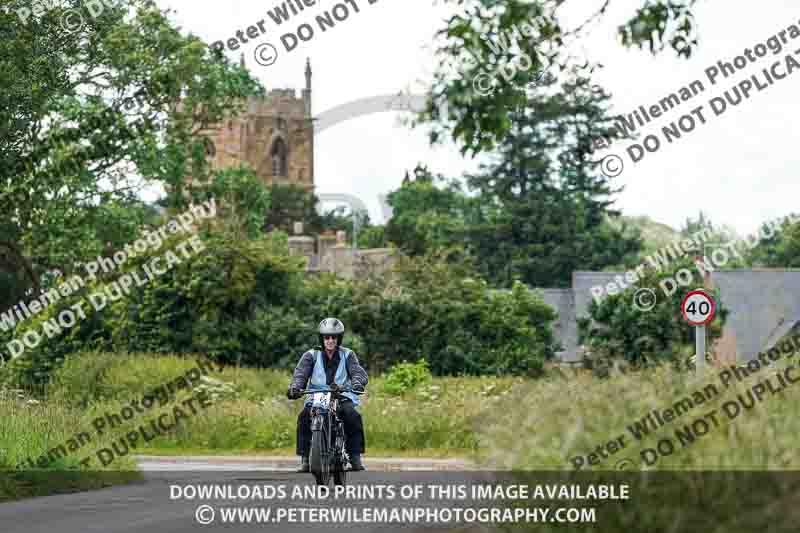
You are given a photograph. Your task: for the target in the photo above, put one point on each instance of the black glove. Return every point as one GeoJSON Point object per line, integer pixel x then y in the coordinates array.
{"type": "Point", "coordinates": [293, 393]}
{"type": "Point", "coordinates": [335, 387]}
{"type": "Point", "coordinates": [358, 387]}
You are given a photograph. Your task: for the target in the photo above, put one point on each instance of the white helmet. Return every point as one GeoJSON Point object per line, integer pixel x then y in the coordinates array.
{"type": "Point", "coordinates": [331, 326]}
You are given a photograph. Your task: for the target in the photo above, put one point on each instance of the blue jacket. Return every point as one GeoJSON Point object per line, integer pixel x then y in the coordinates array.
{"type": "Point", "coordinates": [311, 367]}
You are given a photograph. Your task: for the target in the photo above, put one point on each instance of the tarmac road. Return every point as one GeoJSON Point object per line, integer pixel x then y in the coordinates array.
{"type": "Point", "coordinates": [149, 507]}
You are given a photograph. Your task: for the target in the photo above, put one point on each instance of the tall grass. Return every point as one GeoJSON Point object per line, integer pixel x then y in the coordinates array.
{"type": "Point", "coordinates": [731, 478]}
{"type": "Point", "coordinates": [28, 429]}
{"type": "Point", "coordinates": [570, 416]}
{"type": "Point", "coordinates": [251, 414]}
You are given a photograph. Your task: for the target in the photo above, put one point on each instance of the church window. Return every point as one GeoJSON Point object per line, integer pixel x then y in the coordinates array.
{"type": "Point", "coordinates": [278, 155]}
{"type": "Point", "coordinates": [210, 148]}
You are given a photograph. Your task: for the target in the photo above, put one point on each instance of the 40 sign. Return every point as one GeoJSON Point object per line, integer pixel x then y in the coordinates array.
{"type": "Point", "coordinates": [698, 308]}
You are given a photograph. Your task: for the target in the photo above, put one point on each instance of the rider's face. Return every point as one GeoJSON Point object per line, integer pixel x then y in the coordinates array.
{"type": "Point", "coordinates": [330, 342]}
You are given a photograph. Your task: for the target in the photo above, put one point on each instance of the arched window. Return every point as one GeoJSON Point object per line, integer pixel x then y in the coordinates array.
{"type": "Point", "coordinates": [210, 148]}
{"type": "Point", "coordinates": [278, 155]}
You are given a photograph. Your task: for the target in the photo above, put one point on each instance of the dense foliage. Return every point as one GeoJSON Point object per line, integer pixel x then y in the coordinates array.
{"type": "Point", "coordinates": [779, 246]}
{"type": "Point", "coordinates": [90, 117]}
{"type": "Point", "coordinates": [430, 307]}
{"type": "Point", "coordinates": [405, 376]}
{"type": "Point", "coordinates": [477, 120]}
{"type": "Point", "coordinates": [428, 213]}
{"type": "Point", "coordinates": [248, 302]}
{"type": "Point", "coordinates": [540, 209]}
{"type": "Point", "coordinates": [655, 330]}
{"type": "Point", "coordinates": [292, 203]}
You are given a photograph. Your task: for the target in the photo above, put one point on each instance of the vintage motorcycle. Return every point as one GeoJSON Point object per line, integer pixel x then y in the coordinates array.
{"type": "Point", "coordinates": [328, 455]}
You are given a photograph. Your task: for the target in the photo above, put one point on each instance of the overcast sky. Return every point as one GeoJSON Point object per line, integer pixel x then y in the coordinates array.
{"type": "Point", "coordinates": [740, 167]}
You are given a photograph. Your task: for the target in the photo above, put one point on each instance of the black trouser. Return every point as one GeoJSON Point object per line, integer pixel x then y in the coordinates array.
{"type": "Point", "coordinates": [353, 429]}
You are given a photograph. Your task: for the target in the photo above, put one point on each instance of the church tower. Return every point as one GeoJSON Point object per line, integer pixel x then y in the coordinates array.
{"type": "Point", "coordinates": [274, 136]}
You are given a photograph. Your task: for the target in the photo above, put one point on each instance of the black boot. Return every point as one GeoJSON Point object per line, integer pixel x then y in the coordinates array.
{"type": "Point", "coordinates": [304, 467]}
{"type": "Point", "coordinates": [355, 463]}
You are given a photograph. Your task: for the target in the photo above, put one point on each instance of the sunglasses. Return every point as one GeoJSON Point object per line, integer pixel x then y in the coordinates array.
{"type": "Point", "coordinates": [326, 337]}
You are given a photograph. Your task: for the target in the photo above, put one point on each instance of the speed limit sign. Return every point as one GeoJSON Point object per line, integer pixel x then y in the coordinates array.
{"type": "Point", "coordinates": [698, 308]}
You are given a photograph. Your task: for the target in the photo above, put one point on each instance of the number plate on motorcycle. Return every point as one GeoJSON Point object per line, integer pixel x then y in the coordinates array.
{"type": "Point", "coordinates": [321, 400]}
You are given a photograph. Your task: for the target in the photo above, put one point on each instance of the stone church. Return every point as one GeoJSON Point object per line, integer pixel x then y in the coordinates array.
{"type": "Point", "coordinates": [274, 136]}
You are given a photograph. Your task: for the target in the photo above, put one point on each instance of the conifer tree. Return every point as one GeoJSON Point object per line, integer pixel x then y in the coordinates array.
{"type": "Point", "coordinates": [545, 202]}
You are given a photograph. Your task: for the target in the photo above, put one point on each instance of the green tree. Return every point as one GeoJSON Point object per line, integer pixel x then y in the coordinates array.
{"type": "Point", "coordinates": [243, 201]}
{"type": "Point", "coordinates": [714, 237]}
{"type": "Point", "coordinates": [112, 107]}
{"type": "Point", "coordinates": [643, 324]}
{"type": "Point", "coordinates": [341, 219]}
{"type": "Point", "coordinates": [373, 237]}
{"type": "Point", "coordinates": [477, 39]}
{"type": "Point", "coordinates": [545, 205]}
{"type": "Point", "coordinates": [778, 246]}
{"type": "Point", "coordinates": [426, 216]}
{"type": "Point", "coordinates": [432, 307]}
{"type": "Point", "coordinates": [292, 203]}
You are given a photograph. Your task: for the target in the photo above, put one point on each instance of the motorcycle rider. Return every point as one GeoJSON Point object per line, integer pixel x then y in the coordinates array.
{"type": "Point", "coordinates": [335, 367]}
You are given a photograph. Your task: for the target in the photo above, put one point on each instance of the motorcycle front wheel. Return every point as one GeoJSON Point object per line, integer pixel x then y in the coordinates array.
{"type": "Point", "coordinates": [319, 460]}
{"type": "Point", "coordinates": [339, 472]}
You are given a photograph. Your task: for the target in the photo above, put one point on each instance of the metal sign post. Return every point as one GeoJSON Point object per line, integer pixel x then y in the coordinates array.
{"type": "Point", "coordinates": [700, 347]}
{"type": "Point", "coordinates": [698, 309]}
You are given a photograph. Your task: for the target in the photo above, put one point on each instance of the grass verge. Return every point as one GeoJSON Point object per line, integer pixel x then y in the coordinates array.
{"type": "Point", "coordinates": [248, 415]}
{"type": "Point", "coordinates": [27, 430]}
{"type": "Point", "coordinates": [723, 459]}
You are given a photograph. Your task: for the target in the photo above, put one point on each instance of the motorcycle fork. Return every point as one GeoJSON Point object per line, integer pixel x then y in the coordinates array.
{"type": "Point", "coordinates": [327, 423]}
{"type": "Point", "coordinates": [337, 428]}
{"type": "Point", "coordinates": [331, 427]}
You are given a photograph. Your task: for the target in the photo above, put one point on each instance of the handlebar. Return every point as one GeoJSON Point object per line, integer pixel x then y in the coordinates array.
{"type": "Point", "coordinates": [312, 391]}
